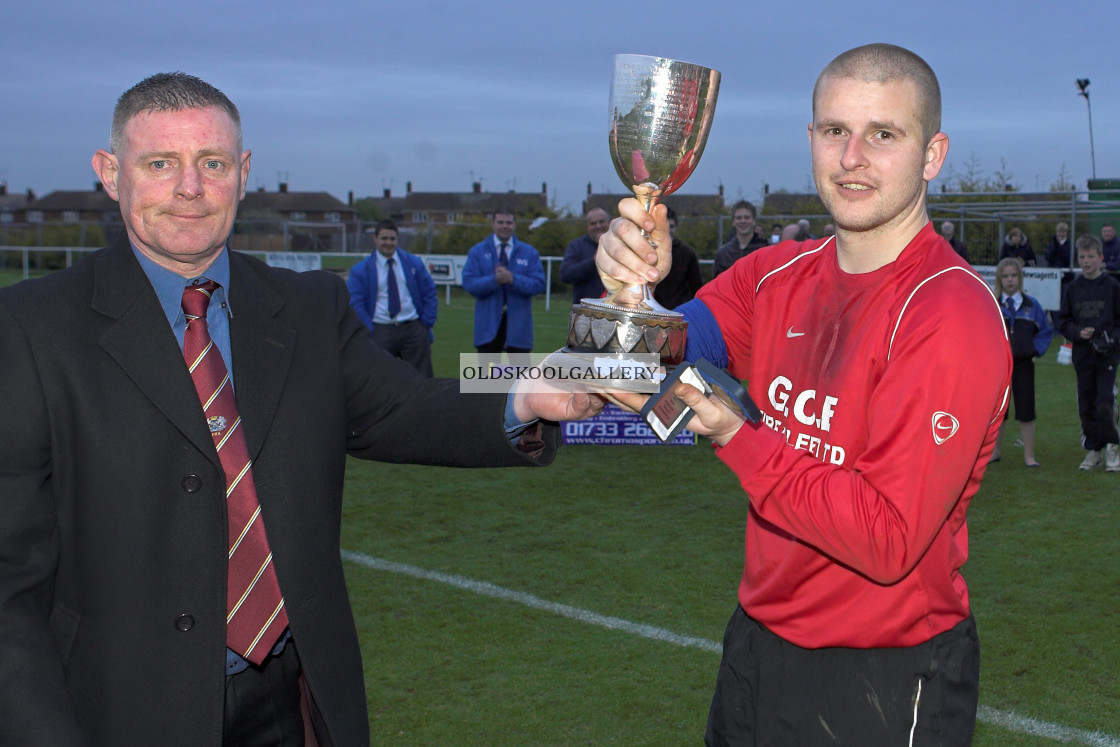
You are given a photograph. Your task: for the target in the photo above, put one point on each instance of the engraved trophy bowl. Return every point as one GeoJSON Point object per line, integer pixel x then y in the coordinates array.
{"type": "Point", "coordinates": [660, 114]}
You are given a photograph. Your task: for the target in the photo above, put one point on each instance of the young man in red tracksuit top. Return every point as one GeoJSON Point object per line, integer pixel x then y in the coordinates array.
{"type": "Point", "coordinates": [881, 366]}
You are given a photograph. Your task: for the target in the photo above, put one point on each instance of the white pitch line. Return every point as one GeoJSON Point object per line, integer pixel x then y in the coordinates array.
{"type": "Point", "coordinates": [564, 610]}
{"type": "Point", "coordinates": [1008, 720]}
{"type": "Point", "coordinates": [1026, 725]}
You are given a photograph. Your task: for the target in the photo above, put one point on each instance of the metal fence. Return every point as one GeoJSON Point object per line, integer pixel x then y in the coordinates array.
{"type": "Point", "coordinates": [36, 260]}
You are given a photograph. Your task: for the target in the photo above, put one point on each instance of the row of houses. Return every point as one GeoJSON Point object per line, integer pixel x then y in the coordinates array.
{"type": "Point", "coordinates": [261, 210]}
{"type": "Point", "coordinates": [94, 205]}
{"type": "Point", "coordinates": [410, 210]}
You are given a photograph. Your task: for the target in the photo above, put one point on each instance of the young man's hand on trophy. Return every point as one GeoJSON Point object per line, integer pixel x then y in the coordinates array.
{"type": "Point", "coordinates": [626, 257]}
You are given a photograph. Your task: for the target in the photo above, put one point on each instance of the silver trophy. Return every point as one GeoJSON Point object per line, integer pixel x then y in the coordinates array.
{"type": "Point", "coordinates": [660, 114]}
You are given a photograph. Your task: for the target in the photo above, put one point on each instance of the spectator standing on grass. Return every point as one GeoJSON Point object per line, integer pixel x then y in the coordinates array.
{"type": "Point", "coordinates": [746, 240]}
{"type": "Point", "coordinates": [1110, 246]}
{"type": "Point", "coordinates": [1058, 252]}
{"type": "Point", "coordinates": [880, 363]}
{"type": "Point", "coordinates": [395, 296]}
{"type": "Point", "coordinates": [503, 274]}
{"type": "Point", "coordinates": [578, 266]}
{"type": "Point", "coordinates": [1090, 319]}
{"type": "Point", "coordinates": [1017, 245]}
{"type": "Point", "coordinates": [141, 497]}
{"type": "Point", "coordinates": [793, 232]}
{"type": "Point", "coordinates": [684, 279]}
{"type": "Point", "coordinates": [1029, 332]}
{"type": "Point", "coordinates": [947, 231]}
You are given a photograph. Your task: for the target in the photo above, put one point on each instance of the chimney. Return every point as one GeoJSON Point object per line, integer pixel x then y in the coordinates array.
{"type": "Point", "coordinates": [544, 188]}
{"type": "Point", "coordinates": [30, 195]}
{"type": "Point", "coordinates": [477, 188]}
{"type": "Point", "coordinates": [3, 189]}
{"type": "Point", "coordinates": [283, 187]}
{"type": "Point", "coordinates": [387, 193]}
{"type": "Point", "coordinates": [721, 191]}
{"type": "Point", "coordinates": [408, 188]}
{"type": "Point", "coordinates": [589, 189]}
{"type": "Point", "coordinates": [350, 198]}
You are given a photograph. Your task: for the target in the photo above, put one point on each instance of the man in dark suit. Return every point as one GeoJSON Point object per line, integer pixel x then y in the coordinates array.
{"type": "Point", "coordinates": [115, 469]}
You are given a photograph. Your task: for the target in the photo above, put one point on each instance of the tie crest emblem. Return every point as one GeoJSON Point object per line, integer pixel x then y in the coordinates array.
{"type": "Point", "coordinates": [217, 423]}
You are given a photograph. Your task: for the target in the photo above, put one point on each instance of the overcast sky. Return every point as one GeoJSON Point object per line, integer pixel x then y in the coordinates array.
{"type": "Point", "coordinates": [364, 96]}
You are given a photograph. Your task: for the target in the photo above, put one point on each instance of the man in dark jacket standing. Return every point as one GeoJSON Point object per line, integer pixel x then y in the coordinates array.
{"type": "Point", "coordinates": [947, 232]}
{"type": "Point", "coordinates": [578, 267]}
{"type": "Point", "coordinates": [746, 239]}
{"type": "Point", "coordinates": [136, 485]}
{"type": "Point", "coordinates": [1058, 253]}
{"type": "Point", "coordinates": [1110, 246]}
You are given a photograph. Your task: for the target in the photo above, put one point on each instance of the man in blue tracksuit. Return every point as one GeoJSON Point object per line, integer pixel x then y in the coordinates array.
{"type": "Point", "coordinates": [503, 274]}
{"type": "Point", "coordinates": [401, 323]}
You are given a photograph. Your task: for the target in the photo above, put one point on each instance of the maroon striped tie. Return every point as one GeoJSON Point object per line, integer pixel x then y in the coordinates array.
{"type": "Point", "coordinates": [255, 606]}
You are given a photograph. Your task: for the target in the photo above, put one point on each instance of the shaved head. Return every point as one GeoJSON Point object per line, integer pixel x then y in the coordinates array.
{"type": "Point", "coordinates": [886, 63]}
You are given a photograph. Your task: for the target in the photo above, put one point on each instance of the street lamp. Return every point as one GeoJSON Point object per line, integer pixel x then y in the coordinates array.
{"type": "Point", "coordinates": [1083, 85]}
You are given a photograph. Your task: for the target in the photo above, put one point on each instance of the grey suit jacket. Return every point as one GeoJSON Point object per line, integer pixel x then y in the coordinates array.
{"type": "Point", "coordinates": [112, 518]}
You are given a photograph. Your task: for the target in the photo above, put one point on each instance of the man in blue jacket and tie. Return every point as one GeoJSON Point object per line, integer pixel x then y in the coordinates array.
{"type": "Point", "coordinates": [401, 323]}
{"type": "Point", "coordinates": [503, 273]}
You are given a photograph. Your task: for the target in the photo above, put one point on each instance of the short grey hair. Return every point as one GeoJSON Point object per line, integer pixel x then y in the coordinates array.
{"type": "Point", "coordinates": [168, 92]}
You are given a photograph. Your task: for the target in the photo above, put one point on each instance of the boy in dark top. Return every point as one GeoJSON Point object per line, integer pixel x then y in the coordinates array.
{"type": "Point", "coordinates": [1090, 318]}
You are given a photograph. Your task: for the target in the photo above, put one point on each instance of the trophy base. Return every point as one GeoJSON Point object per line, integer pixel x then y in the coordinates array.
{"type": "Point", "coordinates": [595, 326]}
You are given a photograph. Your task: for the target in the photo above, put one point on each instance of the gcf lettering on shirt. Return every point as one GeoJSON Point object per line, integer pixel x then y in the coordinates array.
{"type": "Point", "coordinates": [807, 409]}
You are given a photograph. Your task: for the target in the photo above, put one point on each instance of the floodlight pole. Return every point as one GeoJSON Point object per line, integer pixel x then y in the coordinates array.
{"type": "Point", "coordinates": [1083, 84]}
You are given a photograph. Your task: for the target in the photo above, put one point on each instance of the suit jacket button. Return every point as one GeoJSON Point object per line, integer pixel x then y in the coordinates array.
{"type": "Point", "coordinates": [183, 623]}
{"type": "Point", "coordinates": [192, 483]}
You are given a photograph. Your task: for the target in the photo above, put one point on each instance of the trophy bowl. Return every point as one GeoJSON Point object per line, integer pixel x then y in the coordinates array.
{"type": "Point", "coordinates": [660, 114]}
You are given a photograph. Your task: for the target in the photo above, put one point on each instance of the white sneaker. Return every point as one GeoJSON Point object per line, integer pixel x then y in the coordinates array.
{"type": "Point", "coordinates": [1112, 458]}
{"type": "Point", "coordinates": [1092, 460]}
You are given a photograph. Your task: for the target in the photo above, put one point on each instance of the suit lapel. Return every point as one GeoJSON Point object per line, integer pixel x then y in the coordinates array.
{"type": "Point", "coordinates": [262, 349]}
{"type": "Point", "coordinates": [143, 345]}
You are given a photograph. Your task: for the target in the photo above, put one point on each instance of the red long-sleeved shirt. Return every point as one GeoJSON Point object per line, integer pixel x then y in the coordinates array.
{"type": "Point", "coordinates": [882, 394]}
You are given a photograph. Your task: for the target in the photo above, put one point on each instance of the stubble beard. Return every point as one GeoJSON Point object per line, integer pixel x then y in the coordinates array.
{"type": "Point", "coordinates": [881, 213]}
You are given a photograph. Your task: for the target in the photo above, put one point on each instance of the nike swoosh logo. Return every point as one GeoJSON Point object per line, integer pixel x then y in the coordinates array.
{"type": "Point", "coordinates": [790, 333]}
{"type": "Point", "coordinates": [944, 427]}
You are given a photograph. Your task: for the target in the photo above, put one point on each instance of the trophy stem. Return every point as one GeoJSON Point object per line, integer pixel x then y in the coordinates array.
{"type": "Point", "coordinates": [635, 297]}
{"type": "Point", "coordinates": [639, 296]}
{"type": "Point", "coordinates": [649, 193]}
